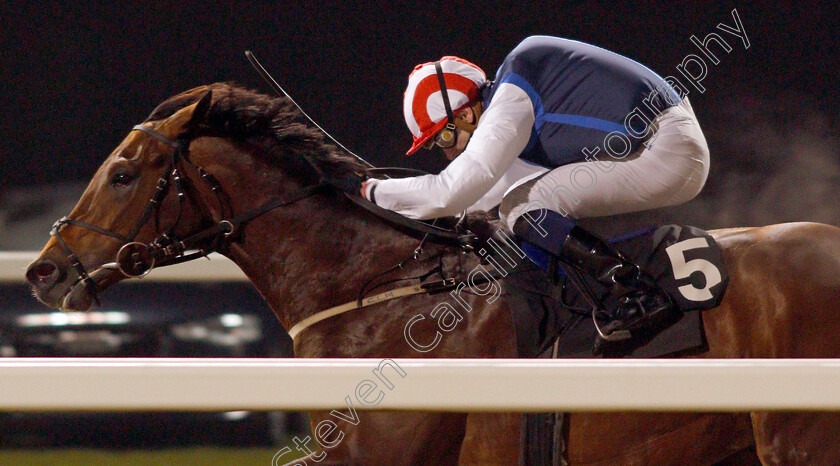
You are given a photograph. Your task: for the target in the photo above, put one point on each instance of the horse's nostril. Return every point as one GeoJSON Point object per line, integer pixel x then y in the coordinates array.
{"type": "Point", "coordinates": [42, 273]}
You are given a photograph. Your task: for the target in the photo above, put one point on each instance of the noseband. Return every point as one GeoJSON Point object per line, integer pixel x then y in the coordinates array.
{"type": "Point", "coordinates": [135, 259]}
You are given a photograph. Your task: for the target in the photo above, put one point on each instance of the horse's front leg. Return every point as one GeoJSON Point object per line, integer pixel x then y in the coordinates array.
{"type": "Point", "coordinates": [381, 437]}
{"type": "Point", "coordinates": [491, 438]}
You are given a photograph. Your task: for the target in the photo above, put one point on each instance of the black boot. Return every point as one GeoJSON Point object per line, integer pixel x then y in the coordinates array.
{"type": "Point", "coordinates": [642, 303]}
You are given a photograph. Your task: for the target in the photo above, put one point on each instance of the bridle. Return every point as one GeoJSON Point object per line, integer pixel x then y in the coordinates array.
{"type": "Point", "coordinates": [135, 259]}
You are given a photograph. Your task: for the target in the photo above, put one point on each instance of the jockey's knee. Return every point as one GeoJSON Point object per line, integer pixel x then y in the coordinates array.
{"type": "Point", "coordinates": [694, 173]}
{"type": "Point", "coordinates": [543, 223]}
{"type": "Point", "coordinates": [516, 202]}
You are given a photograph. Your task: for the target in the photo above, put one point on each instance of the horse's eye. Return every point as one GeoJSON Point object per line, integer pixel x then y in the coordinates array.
{"type": "Point", "coordinates": [122, 179]}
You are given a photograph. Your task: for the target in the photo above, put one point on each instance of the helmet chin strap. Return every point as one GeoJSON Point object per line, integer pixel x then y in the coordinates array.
{"type": "Point", "coordinates": [451, 118]}
{"type": "Point", "coordinates": [470, 127]}
{"type": "Point", "coordinates": [464, 125]}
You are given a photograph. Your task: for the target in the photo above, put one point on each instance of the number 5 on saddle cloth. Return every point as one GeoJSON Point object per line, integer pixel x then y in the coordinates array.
{"type": "Point", "coordinates": [686, 261]}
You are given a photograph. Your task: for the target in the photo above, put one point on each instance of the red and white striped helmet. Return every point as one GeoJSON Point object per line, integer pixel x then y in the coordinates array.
{"type": "Point", "coordinates": [425, 113]}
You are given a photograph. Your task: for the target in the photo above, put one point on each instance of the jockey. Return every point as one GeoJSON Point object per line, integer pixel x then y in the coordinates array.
{"type": "Point", "coordinates": [566, 131]}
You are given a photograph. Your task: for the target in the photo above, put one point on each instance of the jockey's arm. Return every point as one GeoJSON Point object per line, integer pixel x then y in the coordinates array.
{"type": "Point", "coordinates": [502, 134]}
{"type": "Point", "coordinates": [518, 172]}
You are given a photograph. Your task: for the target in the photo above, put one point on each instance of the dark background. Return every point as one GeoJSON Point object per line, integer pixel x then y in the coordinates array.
{"type": "Point", "coordinates": [76, 78]}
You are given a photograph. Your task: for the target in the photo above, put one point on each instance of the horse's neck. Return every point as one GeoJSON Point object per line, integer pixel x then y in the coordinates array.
{"type": "Point", "coordinates": [308, 256]}
{"type": "Point", "coordinates": [314, 255]}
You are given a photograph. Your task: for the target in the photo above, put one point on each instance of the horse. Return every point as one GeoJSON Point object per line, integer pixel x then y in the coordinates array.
{"type": "Point", "coordinates": [224, 168]}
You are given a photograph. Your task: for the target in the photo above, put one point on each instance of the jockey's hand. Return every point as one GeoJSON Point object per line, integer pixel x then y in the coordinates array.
{"type": "Point", "coordinates": [349, 182]}
{"type": "Point", "coordinates": [482, 224]}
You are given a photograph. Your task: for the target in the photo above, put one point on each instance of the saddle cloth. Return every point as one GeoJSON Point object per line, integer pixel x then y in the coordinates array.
{"type": "Point", "coordinates": [685, 260]}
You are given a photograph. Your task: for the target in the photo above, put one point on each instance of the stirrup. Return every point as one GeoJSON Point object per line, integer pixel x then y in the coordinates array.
{"type": "Point", "coordinates": [575, 276]}
{"type": "Point", "coordinates": [650, 318]}
{"type": "Point", "coordinates": [615, 335]}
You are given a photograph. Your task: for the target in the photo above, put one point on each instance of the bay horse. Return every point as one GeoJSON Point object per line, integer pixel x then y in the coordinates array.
{"type": "Point", "coordinates": [236, 150]}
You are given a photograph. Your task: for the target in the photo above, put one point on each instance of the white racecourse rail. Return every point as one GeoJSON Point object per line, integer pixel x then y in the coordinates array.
{"type": "Point", "coordinates": [443, 384]}
{"type": "Point", "coordinates": [428, 384]}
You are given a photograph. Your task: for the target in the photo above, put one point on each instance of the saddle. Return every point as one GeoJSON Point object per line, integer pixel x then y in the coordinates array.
{"type": "Point", "coordinates": [684, 260]}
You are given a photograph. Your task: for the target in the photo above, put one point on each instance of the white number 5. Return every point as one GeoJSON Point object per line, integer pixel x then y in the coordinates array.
{"type": "Point", "coordinates": [683, 268]}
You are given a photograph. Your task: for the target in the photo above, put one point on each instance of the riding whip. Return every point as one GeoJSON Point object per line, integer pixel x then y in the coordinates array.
{"type": "Point", "coordinates": [279, 90]}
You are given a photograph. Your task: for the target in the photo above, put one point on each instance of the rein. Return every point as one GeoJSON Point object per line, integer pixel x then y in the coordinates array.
{"type": "Point", "coordinates": [442, 235]}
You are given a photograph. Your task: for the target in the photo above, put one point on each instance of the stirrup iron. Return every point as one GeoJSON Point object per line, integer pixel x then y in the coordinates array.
{"type": "Point", "coordinates": [616, 335]}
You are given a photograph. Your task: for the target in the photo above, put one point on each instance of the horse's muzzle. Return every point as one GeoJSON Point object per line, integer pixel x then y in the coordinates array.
{"type": "Point", "coordinates": [49, 281]}
{"type": "Point", "coordinates": [43, 274]}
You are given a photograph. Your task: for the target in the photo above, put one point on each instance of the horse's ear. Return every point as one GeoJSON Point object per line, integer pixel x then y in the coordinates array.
{"type": "Point", "coordinates": [201, 109]}
{"type": "Point", "coordinates": [188, 118]}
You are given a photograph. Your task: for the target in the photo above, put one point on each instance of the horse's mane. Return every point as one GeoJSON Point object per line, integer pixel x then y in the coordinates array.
{"type": "Point", "coordinates": [271, 123]}
{"type": "Point", "coordinates": [275, 125]}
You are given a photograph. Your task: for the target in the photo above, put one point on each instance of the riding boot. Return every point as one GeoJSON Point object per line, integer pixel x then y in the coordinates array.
{"type": "Point", "coordinates": [642, 303]}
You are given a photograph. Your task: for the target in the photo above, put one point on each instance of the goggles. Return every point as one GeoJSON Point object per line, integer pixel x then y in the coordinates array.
{"type": "Point", "coordinates": [445, 138]}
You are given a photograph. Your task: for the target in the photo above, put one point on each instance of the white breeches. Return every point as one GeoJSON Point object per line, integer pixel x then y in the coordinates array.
{"type": "Point", "coordinates": [669, 169]}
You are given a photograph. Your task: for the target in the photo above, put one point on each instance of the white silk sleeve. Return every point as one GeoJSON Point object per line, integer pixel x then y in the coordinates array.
{"type": "Point", "coordinates": [502, 134]}
{"type": "Point", "coordinates": [520, 169]}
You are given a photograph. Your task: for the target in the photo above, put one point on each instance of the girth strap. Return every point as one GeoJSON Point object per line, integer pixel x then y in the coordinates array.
{"type": "Point", "coordinates": [430, 288]}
